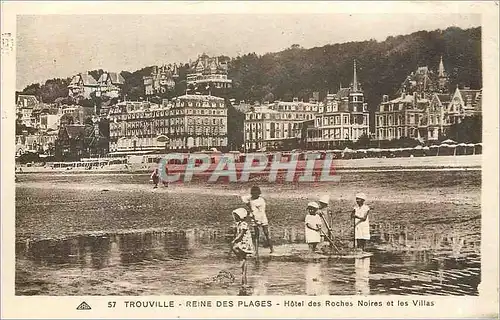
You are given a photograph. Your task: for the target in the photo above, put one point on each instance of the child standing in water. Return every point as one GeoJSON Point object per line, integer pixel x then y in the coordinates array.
{"type": "Point", "coordinates": [360, 213]}
{"type": "Point", "coordinates": [242, 244]}
{"type": "Point", "coordinates": [313, 224]}
{"type": "Point", "coordinates": [258, 206]}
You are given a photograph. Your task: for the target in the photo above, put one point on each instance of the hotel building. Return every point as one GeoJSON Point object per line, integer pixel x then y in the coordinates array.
{"type": "Point", "coordinates": [161, 80]}
{"type": "Point", "coordinates": [276, 126]}
{"type": "Point", "coordinates": [187, 122]}
{"type": "Point", "coordinates": [342, 117]}
{"type": "Point", "coordinates": [207, 73]}
{"type": "Point", "coordinates": [425, 110]}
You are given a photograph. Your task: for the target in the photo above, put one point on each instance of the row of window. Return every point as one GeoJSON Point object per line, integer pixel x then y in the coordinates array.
{"type": "Point", "coordinates": [215, 131]}
{"type": "Point", "coordinates": [335, 108]}
{"type": "Point", "coordinates": [279, 116]}
{"type": "Point", "coordinates": [393, 133]}
{"type": "Point", "coordinates": [206, 121]}
{"type": "Point", "coordinates": [335, 120]}
{"type": "Point", "coordinates": [259, 125]}
{"type": "Point", "coordinates": [198, 104]}
{"type": "Point", "coordinates": [411, 119]}
{"type": "Point", "coordinates": [295, 107]}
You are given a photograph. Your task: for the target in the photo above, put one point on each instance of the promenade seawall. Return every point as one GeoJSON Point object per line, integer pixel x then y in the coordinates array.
{"type": "Point", "coordinates": [407, 163]}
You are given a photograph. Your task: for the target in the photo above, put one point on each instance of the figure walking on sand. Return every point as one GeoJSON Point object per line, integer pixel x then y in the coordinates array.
{"type": "Point", "coordinates": [313, 224]}
{"type": "Point", "coordinates": [242, 245]}
{"type": "Point", "coordinates": [257, 206]}
{"type": "Point", "coordinates": [155, 176]}
{"type": "Point", "coordinates": [361, 213]}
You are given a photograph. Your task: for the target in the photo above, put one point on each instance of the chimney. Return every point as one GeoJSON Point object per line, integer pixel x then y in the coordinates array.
{"type": "Point", "coordinates": [385, 98]}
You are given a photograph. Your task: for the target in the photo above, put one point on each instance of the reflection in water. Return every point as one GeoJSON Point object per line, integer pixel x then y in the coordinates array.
{"type": "Point", "coordinates": [260, 282]}
{"type": "Point", "coordinates": [362, 277]}
{"type": "Point", "coordinates": [99, 251]}
{"type": "Point", "coordinates": [315, 283]}
{"type": "Point", "coordinates": [398, 269]}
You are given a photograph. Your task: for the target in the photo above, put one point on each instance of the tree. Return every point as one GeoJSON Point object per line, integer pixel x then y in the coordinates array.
{"type": "Point", "coordinates": [235, 120]}
{"type": "Point", "coordinates": [469, 130]}
{"type": "Point", "coordinates": [51, 90]}
{"type": "Point", "coordinates": [363, 142]}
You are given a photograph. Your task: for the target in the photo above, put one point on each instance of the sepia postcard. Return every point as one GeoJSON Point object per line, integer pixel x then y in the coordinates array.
{"type": "Point", "coordinates": [249, 160]}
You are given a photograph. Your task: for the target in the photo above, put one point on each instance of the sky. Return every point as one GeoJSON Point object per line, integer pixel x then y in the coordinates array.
{"type": "Point", "coordinates": [59, 46]}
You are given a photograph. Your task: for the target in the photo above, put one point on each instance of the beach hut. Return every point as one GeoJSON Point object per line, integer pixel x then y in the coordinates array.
{"type": "Point", "coordinates": [426, 150]}
{"type": "Point", "coordinates": [347, 153]}
{"type": "Point", "coordinates": [447, 149]}
{"type": "Point", "coordinates": [337, 154]}
{"type": "Point", "coordinates": [433, 150]}
{"type": "Point", "coordinates": [449, 141]}
{"type": "Point", "coordinates": [478, 148]}
{"type": "Point", "coordinates": [372, 153]}
{"type": "Point", "coordinates": [406, 152]}
{"type": "Point", "coordinates": [418, 151]}
{"type": "Point", "coordinates": [461, 149]}
{"type": "Point", "coordinates": [385, 153]}
{"type": "Point", "coordinates": [392, 152]}
{"type": "Point", "coordinates": [469, 148]}
{"type": "Point", "coordinates": [360, 153]}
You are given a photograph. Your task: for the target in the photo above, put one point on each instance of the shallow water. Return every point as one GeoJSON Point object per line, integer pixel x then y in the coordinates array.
{"type": "Point", "coordinates": [113, 235]}
{"type": "Point", "coordinates": [185, 262]}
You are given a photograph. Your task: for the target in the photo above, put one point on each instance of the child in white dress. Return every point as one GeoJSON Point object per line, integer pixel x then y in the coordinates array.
{"type": "Point", "coordinates": [360, 213]}
{"type": "Point", "coordinates": [313, 226]}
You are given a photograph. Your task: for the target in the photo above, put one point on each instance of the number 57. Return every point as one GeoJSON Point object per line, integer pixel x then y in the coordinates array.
{"type": "Point", "coordinates": [111, 304]}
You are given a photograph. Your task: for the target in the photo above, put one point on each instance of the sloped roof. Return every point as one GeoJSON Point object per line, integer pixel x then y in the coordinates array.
{"type": "Point", "coordinates": [208, 64]}
{"type": "Point", "coordinates": [30, 101]}
{"type": "Point", "coordinates": [343, 93]}
{"type": "Point", "coordinates": [406, 98]}
{"type": "Point", "coordinates": [87, 79]}
{"type": "Point", "coordinates": [471, 97]}
{"type": "Point", "coordinates": [116, 78]}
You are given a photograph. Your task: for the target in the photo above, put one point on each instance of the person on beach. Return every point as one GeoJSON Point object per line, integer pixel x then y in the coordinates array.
{"type": "Point", "coordinates": [165, 182]}
{"type": "Point", "coordinates": [326, 215]}
{"type": "Point", "coordinates": [360, 214]}
{"type": "Point", "coordinates": [242, 244]}
{"type": "Point", "coordinates": [257, 206]}
{"type": "Point", "coordinates": [313, 224]}
{"type": "Point", "coordinates": [155, 176]}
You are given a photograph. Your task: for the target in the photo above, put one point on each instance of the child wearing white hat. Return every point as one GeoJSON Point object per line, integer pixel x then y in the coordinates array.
{"type": "Point", "coordinates": [313, 226]}
{"type": "Point", "coordinates": [360, 214]}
